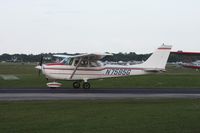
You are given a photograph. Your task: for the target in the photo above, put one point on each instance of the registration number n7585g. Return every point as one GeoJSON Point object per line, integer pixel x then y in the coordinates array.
{"type": "Point", "coordinates": [118, 71]}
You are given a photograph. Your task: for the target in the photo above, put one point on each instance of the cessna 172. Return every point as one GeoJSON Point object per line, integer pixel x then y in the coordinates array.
{"type": "Point", "coordinates": [86, 67]}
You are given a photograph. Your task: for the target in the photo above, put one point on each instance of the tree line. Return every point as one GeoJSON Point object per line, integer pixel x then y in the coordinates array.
{"type": "Point", "coordinates": [132, 56]}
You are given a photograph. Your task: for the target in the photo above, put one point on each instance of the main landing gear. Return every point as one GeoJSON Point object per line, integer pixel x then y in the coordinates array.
{"type": "Point", "coordinates": [76, 85]}
{"type": "Point", "coordinates": [85, 85]}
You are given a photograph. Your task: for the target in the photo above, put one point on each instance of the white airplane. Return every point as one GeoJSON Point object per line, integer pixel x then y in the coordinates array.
{"type": "Point", "coordinates": [86, 67]}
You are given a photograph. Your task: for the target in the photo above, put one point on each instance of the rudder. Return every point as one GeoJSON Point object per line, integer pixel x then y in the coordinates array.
{"type": "Point", "coordinates": [159, 58]}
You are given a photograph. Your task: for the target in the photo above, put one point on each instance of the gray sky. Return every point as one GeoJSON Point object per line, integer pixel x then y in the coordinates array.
{"type": "Point", "coordinates": [35, 26]}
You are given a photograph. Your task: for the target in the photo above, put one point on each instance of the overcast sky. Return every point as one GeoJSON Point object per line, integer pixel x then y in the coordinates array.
{"type": "Point", "coordinates": [35, 26]}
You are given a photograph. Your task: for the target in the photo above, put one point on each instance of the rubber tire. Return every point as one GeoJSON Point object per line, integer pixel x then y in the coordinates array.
{"type": "Point", "coordinates": [86, 85]}
{"type": "Point", "coordinates": [76, 85]}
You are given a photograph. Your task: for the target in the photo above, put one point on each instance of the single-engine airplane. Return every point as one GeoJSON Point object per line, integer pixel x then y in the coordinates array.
{"type": "Point", "coordinates": [85, 67]}
{"type": "Point", "coordinates": [193, 65]}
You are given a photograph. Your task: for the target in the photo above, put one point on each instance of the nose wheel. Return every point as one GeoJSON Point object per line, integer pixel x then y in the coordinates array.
{"type": "Point", "coordinates": [85, 85]}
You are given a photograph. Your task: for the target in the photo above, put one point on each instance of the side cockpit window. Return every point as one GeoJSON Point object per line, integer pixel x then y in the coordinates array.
{"type": "Point", "coordinates": [67, 61]}
{"type": "Point", "coordinates": [83, 63]}
{"type": "Point", "coordinates": [87, 63]}
{"type": "Point", "coordinates": [71, 61]}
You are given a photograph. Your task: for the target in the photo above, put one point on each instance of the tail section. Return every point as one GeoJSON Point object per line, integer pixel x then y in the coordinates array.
{"type": "Point", "coordinates": [158, 59]}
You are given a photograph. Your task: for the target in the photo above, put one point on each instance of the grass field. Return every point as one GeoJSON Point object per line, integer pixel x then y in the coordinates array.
{"type": "Point", "coordinates": [99, 116]}
{"type": "Point", "coordinates": [127, 116]}
{"type": "Point", "coordinates": [174, 77]}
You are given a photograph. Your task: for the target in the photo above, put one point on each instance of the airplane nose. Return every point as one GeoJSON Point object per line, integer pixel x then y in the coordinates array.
{"type": "Point", "coordinates": [39, 67]}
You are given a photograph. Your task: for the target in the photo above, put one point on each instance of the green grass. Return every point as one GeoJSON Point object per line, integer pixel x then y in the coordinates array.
{"type": "Point", "coordinates": [112, 116]}
{"type": "Point", "coordinates": [127, 116]}
{"type": "Point", "coordinates": [28, 76]}
{"type": "Point", "coordinates": [174, 77]}
{"type": "Point", "coordinates": [151, 81]}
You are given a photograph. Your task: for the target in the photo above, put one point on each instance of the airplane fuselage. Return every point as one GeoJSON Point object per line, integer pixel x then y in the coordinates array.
{"type": "Point", "coordinates": [64, 72]}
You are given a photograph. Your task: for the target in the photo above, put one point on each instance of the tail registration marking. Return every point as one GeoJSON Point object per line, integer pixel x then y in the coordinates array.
{"type": "Point", "coordinates": [118, 72]}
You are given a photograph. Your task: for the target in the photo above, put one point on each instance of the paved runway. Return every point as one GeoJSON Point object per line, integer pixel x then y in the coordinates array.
{"type": "Point", "coordinates": [8, 94]}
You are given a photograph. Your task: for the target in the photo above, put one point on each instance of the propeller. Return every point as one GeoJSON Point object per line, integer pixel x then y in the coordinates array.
{"type": "Point", "coordinates": [41, 60]}
{"type": "Point", "coordinates": [39, 66]}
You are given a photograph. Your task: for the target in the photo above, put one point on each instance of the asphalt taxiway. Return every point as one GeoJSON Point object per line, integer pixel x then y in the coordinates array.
{"type": "Point", "coordinates": [8, 94]}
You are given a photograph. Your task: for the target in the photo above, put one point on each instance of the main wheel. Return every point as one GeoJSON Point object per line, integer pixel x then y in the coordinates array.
{"type": "Point", "coordinates": [86, 85]}
{"type": "Point", "coordinates": [76, 85]}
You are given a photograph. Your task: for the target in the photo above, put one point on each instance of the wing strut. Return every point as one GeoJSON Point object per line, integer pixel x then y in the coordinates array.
{"type": "Point", "coordinates": [75, 68]}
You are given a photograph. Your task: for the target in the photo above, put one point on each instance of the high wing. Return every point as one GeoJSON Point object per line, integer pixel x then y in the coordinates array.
{"type": "Point", "coordinates": [93, 56]}
{"type": "Point", "coordinates": [63, 56]}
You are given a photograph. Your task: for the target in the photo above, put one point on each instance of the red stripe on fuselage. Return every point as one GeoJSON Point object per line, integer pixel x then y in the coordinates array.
{"type": "Point", "coordinates": [93, 74]}
{"type": "Point", "coordinates": [55, 64]}
{"type": "Point", "coordinates": [93, 69]}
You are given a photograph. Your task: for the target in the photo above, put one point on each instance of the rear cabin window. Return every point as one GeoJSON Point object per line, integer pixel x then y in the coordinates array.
{"type": "Point", "coordinates": [94, 64]}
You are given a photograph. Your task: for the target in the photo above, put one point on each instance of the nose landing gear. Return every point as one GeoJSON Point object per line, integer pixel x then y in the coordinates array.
{"type": "Point", "coordinates": [54, 84]}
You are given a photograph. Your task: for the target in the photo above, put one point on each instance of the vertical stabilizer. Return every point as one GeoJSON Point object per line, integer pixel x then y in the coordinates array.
{"type": "Point", "coordinates": [158, 59]}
